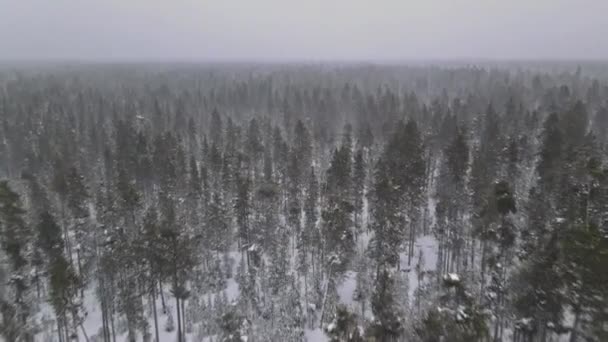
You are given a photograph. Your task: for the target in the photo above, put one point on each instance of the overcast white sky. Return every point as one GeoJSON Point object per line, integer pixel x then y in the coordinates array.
{"type": "Point", "coordinates": [303, 30]}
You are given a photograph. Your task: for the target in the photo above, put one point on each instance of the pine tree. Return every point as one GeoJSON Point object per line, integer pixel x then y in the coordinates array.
{"type": "Point", "coordinates": [538, 288]}
{"type": "Point", "coordinates": [363, 285]}
{"type": "Point", "coordinates": [585, 252]}
{"type": "Point", "coordinates": [178, 250]}
{"type": "Point", "coordinates": [550, 154]}
{"type": "Point", "coordinates": [384, 245]}
{"type": "Point", "coordinates": [601, 125]}
{"type": "Point", "coordinates": [254, 145]}
{"type": "Point", "coordinates": [388, 322]}
{"type": "Point", "coordinates": [359, 177]}
{"type": "Point", "coordinates": [217, 226]}
{"type": "Point", "coordinates": [500, 239]}
{"type": "Point", "coordinates": [302, 146]}
{"type": "Point", "coordinates": [16, 243]}
{"type": "Point", "coordinates": [343, 327]}
{"type": "Point", "coordinates": [242, 209]}
{"type": "Point", "coordinates": [411, 171]}
{"type": "Point", "coordinates": [233, 326]}
{"type": "Point", "coordinates": [337, 220]}
{"type": "Point", "coordinates": [457, 317]}
{"type": "Point", "coordinates": [280, 152]}
{"type": "Point", "coordinates": [452, 201]}
{"type": "Point", "coordinates": [150, 245]}
{"type": "Point", "coordinates": [290, 325]}
{"type": "Point", "coordinates": [215, 128]}
{"type": "Point", "coordinates": [365, 138]}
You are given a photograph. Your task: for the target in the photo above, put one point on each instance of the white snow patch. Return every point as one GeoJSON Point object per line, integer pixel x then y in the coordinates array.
{"type": "Point", "coordinates": [232, 289]}
{"type": "Point", "coordinates": [423, 261]}
{"type": "Point", "coordinates": [316, 335]}
{"type": "Point", "coordinates": [347, 289]}
{"type": "Point", "coordinates": [452, 277]}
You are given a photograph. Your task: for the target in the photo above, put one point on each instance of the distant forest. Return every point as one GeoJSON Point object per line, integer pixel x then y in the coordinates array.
{"type": "Point", "coordinates": [304, 202]}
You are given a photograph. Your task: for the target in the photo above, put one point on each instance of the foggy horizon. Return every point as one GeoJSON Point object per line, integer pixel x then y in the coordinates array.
{"type": "Point", "coordinates": [313, 31]}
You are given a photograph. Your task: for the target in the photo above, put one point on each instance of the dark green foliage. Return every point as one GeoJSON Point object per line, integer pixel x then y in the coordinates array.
{"type": "Point", "coordinates": [344, 327]}
{"type": "Point", "coordinates": [200, 170]}
{"type": "Point", "coordinates": [49, 237]}
{"type": "Point", "coordinates": [457, 318]}
{"type": "Point", "coordinates": [233, 326]}
{"type": "Point", "coordinates": [457, 156]}
{"type": "Point", "coordinates": [63, 284]}
{"type": "Point", "coordinates": [505, 203]}
{"type": "Point", "coordinates": [242, 209]}
{"type": "Point", "coordinates": [365, 136]}
{"type": "Point", "coordinates": [551, 153]}
{"type": "Point", "coordinates": [574, 123]}
{"type": "Point", "coordinates": [15, 239]}
{"type": "Point", "coordinates": [217, 226]}
{"type": "Point", "coordinates": [538, 294]}
{"type": "Point", "coordinates": [338, 230]}
{"type": "Point", "coordinates": [463, 326]}
{"type": "Point", "coordinates": [15, 233]}
{"type": "Point", "coordinates": [388, 320]}
{"type": "Point", "coordinates": [215, 128]}
{"type": "Point", "coordinates": [359, 177]}
{"type": "Point", "coordinates": [383, 247]}
{"type": "Point", "coordinates": [338, 234]}
{"type": "Point", "coordinates": [254, 144]}
{"type": "Point", "coordinates": [585, 253]}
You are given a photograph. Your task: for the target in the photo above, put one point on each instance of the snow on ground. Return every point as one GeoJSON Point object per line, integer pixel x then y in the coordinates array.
{"type": "Point", "coordinates": [316, 335]}
{"type": "Point", "coordinates": [93, 321]}
{"type": "Point", "coordinates": [232, 289]}
{"type": "Point", "coordinates": [425, 253]}
{"type": "Point", "coordinates": [45, 317]}
{"type": "Point", "coordinates": [347, 289]}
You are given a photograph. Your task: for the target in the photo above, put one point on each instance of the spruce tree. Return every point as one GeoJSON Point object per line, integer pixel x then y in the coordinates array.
{"type": "Point", "coordinates": [16, 244]}
{"type": "Point", "coordinates": [388, 319]}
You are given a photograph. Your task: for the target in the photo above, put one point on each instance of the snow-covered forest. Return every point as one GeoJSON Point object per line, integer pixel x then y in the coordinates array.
{"type": "Point", "coordinates": [304, 202]}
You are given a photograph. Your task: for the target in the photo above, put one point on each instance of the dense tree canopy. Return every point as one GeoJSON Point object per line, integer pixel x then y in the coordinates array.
{"type": "Point", "coordinates": [289, 202]}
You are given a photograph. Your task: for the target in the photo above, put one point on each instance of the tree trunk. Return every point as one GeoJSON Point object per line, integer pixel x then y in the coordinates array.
{"type": "Point", "coordinates": [112, 324]}
{"type": "Point", "coordinates": [80, 271]}
{"type": "Point", "coordinates": [75, 323]}
{"type": "Point", "coordinates": [84, 333]}
{"type": "Point", "coordinates": [574, 332]}
{"type": "Point", "coordinates": [66, 235]}
{"type": "Point", "coordinates": [439, 257]}
{"type": "Point", "coordinates": [179, 320]}
{"type": "Point", "coordinates": [410, 251]}
{"type": "Point", "coordinates": [155, 314]}
{"type": "Point", "coordinates": [306, 296]}
{"type": "Point", "coordinates": [37, 277]}
{"type": "Point", "coordinates": [104, 318]}
{"type": "Point", "coordinates": [176, 294]}
{"type": "Point", "coordinates": [543, 334]}
{"type": "Point", "coordinates": [325, 298]}
{"type": "Point", "coordinates": [496, 326]}
{"type": "Point", "coordinates": [446, 259]}
{"type": "Point", "coordinates": [162, 296]}
{"type": "Point", "coordinates": [472, 253]}
{"type": "Point", "coordinates": [59, 330]}
{"type": "Point", "coordinates": [483, 270]}
{"type": "Point", "coordinates": [66, 328]}
{"type": "Point", "coordinates": [184, 317]}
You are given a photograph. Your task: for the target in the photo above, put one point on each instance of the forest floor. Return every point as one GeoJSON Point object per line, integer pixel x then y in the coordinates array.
{"type": "Point", "coordinates": [425, 253]}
